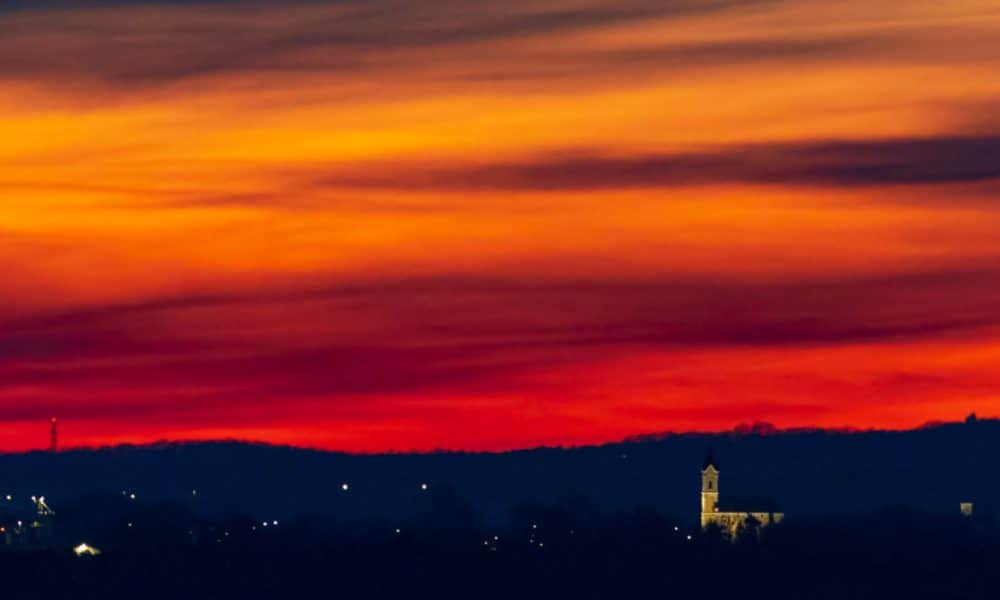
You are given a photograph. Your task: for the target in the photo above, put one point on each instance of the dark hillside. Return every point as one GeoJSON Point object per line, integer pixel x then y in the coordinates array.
{"type": "Point", "coordinates": [810, 473]}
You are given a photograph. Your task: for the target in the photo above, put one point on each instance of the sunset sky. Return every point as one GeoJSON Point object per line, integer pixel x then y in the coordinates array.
{"type": "Point", "coordinates": [416, 224]}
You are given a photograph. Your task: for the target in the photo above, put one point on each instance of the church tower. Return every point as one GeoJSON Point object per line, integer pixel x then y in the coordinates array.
{"type": "Point", "coordinates": [709, 489]}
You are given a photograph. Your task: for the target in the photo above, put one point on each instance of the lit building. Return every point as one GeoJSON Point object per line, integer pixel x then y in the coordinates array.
{"type": "Point", "coordinates": [732, 519]}
{"type": "Point", "coordinates": [965, 508]}
{"type": "Point", "coordinates": [32, 534]}
{"type": "Point", "coordinates": [85, 549]}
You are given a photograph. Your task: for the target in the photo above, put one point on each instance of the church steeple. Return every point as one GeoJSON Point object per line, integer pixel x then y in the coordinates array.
{"type": "Point", "coordinates": [709, 488]}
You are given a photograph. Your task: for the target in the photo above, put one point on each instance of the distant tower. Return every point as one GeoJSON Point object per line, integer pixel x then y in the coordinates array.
{"type": "Point", "coordinates": [54, 436]}
{"type": "Point", "coordinates": [709, 489]}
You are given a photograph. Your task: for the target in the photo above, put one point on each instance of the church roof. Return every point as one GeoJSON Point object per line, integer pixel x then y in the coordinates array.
{"type": "Point", "coordinates": [745, 505]}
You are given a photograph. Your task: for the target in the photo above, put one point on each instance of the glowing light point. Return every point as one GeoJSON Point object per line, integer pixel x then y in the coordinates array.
{"type": "Point", "coordinates": [424, 486]}
{"type": "Point", "coordinates": [85, 549]}
{"type": "Point", "coordinates": [345, 487]}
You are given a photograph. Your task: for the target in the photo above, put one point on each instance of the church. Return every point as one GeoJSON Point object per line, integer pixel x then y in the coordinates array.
{"type": "Point", "coordinates": [734, 518]}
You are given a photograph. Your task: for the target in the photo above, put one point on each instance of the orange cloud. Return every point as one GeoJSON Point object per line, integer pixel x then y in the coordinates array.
{"type": "Point", "coordinates": [373, 225]}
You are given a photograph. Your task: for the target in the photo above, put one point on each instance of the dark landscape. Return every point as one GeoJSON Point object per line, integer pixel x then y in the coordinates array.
{"type": "Point", "coordinates": [810, 473]}
{"type": "Point", "coordinates": [868, 514]}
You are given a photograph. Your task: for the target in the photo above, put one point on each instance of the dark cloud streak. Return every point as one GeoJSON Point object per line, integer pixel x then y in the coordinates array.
{"type": "Point", "coordinates": [469, 333]}
{"type": "Point", "coordinates": [300, 36]}
{"type": "Point", "coordinates": [823, 163]}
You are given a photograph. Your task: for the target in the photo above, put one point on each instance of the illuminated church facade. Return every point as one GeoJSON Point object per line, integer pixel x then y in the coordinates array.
{"type": "Point", "coordinates": [731, 519]}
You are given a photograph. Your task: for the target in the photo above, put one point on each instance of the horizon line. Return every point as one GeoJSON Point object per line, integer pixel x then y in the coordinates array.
{"type": "Point", "coordinates": [744, 429]}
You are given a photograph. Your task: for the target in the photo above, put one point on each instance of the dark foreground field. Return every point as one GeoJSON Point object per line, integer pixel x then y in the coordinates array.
{"type": "Point", "coordinates": [548, 553]}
